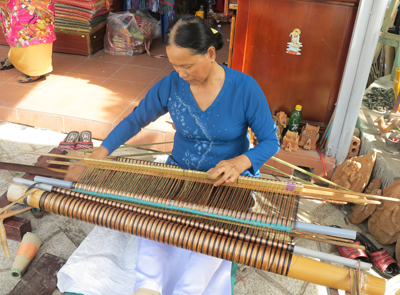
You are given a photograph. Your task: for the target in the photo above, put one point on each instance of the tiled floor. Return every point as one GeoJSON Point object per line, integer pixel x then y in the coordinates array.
{"type": "Point", "coordinates": [90, 93]}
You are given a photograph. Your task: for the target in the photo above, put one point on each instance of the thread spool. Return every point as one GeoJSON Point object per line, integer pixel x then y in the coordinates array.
{"type": "Point", "coordinates": [27, 250]}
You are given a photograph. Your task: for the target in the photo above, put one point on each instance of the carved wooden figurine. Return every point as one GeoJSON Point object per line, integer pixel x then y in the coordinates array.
{"type": "Point", "coordinates": [253, 138]}
{"type": "Point", "coordinates": [309, 137]}
{"type": "Point", "coordinates": [354, 173]}
{"type": "Point", "coordinates": [384, 223]}
{"type": "Point", "coordinates": [290, 141]}
{"type": "Point", "coordinates": [387, 127]}
{"type": "Point", "coordinates": [281, 121]}
{"type": "Point", "coordinates": [362, 212]}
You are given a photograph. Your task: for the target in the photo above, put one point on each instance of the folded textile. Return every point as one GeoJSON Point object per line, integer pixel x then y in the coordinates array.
{"type": "Point", "coordinates": [76, 8]}
{"type": "Point", "coordinates": [88, 15]}
{"type": "Point", "coordinates": [93, 4]}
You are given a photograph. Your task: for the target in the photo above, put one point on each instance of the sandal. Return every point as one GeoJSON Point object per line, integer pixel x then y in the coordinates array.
{"type": "Point", "coordinates": [4, 66]}
{"type": "Point", "coordinates": [382, 262]}
{"type": "Point", "coordinates": [69, 142]}
{"type": "Point", "coordinates": [29, 79]}
{"type": "Point", "coordinates": [85, 141]}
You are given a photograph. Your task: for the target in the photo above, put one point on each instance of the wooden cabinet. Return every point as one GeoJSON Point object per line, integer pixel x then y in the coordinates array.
{"type": "Point", "coordinates": [313, 78]}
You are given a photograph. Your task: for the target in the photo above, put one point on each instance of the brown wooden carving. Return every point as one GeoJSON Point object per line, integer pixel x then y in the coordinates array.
{"type": "Point", "coordinates": [384, 223]}
{"type": "Point", "coordinates": [281, 121]}
{"type": "Point", "coordinates": [290, 141]}
{"type": "Point", "coordinates": [387, 127]}
{"type": "Point", "coordinates": [253, 138]}
{"type": "Point", "coordinates": [309, 137]}
{"type": "Point", "coordinates": [354, 173]}
{"type": "Point", "coordinates": [362, 212]}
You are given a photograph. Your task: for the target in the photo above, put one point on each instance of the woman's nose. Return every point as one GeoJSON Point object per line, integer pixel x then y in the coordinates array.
{"type": "Point", "coordinates": [182, 73]}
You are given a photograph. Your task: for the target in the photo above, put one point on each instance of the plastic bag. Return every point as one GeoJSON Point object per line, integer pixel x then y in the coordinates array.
{"type": "Point", "coordinates": [155, 24]}
{"type": "Point", "coordinates": [124, 36]}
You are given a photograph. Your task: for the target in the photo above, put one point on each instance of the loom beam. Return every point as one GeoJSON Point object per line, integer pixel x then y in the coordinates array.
{"type": "Point", "coordinates": [253, 255]}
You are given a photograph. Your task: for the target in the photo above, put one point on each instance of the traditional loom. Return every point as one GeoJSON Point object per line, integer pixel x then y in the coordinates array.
{"type": "Point", "coordinates": [184, 209]}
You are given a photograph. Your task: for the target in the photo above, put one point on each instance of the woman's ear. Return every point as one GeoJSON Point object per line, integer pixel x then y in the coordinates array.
{"type": "Point", "coordinates": [211, 53]}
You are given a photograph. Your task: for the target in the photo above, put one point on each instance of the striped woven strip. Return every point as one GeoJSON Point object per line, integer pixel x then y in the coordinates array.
{"type": "Point", "coordinates": [254, 255]}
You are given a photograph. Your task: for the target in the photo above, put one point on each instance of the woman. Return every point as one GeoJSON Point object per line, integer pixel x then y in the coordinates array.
{"type": "Point", "coordinates": [28, 26]}
{"type": "Point", "coordinates": [212, 107]}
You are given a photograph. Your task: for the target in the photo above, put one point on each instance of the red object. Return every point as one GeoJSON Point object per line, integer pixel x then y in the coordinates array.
{"type": "Point", "coordinates": [381, 259]}
{"type": "Point", "coordinates": [352, 253]}
{"type": "Point", "coordinates": [85, 141]}
{"type": "Point", "coordinates": [323, 162]}
{"type": "Point", "coordinates": [219, 6]}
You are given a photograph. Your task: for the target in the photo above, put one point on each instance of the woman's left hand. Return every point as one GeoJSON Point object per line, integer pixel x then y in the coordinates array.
{"type": "Point", "coordinates": [229, 170]}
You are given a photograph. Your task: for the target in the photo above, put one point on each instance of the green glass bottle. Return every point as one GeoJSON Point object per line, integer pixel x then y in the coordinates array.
{"type": "Point", "coordinates": [295, 118]}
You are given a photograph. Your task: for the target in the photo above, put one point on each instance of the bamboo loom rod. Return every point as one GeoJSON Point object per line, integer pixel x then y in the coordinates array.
{"type": "Point", "coordinates": [301, 190]}
{"type": "Point", "coordinates": [44, 171]}
{"type": "Point", "coordinates": [298, 226]}
{"type": "Point", "coordinates": [302, 268]}
{"type": "Point", "coordinates": [17, 191]}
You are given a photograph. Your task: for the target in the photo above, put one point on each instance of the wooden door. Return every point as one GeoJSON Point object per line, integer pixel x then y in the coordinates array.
{"type": "Point", "coordinates": [312, 79]}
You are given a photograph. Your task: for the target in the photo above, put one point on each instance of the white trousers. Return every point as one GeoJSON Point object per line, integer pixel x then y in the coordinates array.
{"type": "Point", "coordinates": [174, 271]}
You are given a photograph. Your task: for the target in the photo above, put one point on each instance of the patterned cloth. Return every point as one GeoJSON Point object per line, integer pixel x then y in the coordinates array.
{"type": "Point", "coordinates": [27, 22]}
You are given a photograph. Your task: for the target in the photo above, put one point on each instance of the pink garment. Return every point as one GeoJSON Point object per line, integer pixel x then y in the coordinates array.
{"type": "Point", "coordinates": [27, 22]}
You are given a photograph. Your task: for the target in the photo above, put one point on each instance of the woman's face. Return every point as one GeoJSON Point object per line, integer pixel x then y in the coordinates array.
{"type": "Point", "coordinates": [193, 68]}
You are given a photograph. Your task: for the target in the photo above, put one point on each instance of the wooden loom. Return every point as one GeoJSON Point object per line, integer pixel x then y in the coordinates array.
{"type": "Point", "coordinates": [249, 242]}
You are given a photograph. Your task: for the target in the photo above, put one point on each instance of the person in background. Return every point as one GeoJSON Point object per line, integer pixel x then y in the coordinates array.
{"type": "Point", "coordinates": [28, 26]}
{"type": "Point", "coordinates": [212, 107]}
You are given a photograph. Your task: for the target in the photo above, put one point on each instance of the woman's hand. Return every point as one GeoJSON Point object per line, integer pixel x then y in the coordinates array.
{"type": "Point", "coordinates": [229, 170]}
{"type": "Point", "coordinates": [76, 171]}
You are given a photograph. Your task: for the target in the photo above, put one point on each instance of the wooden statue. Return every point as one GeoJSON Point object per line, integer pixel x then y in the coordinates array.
{"type": "Point", "coordinates": [387, 127]}
{"type": "Point", "coordinates": [354, 173]}
{"type": "Point", "coordinates": [384, 223]}
{"type": "Point", "coordinates": [290, 141]}
{"type": "Point", "coordinates": [253, 138]}
{"type": "Point", "coordinates": [362, 212]}
{"type": "Point", "coordinates": [309, 137]}
{"type": "Point", "coordinates": [281, 121]}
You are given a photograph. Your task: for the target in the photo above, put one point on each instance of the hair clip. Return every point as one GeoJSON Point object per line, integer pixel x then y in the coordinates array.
{"type": "Point", "coordinates": [214, 30]}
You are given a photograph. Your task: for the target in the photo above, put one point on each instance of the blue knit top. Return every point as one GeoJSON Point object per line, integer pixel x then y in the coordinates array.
{"type": "Point", "coordinates": [204, 138]}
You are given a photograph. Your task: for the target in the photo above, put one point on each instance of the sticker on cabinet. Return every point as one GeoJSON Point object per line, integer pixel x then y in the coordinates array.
{"type": "Point", "coordinates": [295, 44]}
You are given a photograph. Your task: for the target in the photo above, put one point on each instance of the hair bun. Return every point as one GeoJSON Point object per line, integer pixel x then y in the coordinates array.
{"type": "Point", "coordinates": [219, 40]}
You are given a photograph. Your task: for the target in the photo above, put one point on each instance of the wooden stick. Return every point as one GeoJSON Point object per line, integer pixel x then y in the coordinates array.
{"type": "Point", "coordinates": [302, 190]}
{"type": "Point", "coordinates": [12, 213]}
{"type": "Point", "coordinates": [231, 40]}
{"type": "Point", "coordinates": [43, 171]}
{"type": "Point", "coordinates": [323, 236]}
{"type": "Point", "coordinates": [329, 242]}
{"type": "Point", "coordinates": [65, 163]}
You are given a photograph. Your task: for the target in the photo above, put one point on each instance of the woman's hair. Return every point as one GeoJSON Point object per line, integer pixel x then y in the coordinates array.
{"type": "Point", "coordinates": [193, 33]}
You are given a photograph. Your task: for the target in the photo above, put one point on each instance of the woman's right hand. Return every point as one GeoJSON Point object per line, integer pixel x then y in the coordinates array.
{"type": "Point", "coordinates": [76, 171]}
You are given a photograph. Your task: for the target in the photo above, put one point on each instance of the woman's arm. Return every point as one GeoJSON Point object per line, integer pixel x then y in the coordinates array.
{"type": "Point", "coordinates": [229, 170]}
{"type": "Point", "coordinates": [75, 171]}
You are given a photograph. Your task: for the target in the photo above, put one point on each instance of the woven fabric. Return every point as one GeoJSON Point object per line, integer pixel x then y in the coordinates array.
{"type": "Point", "coordinates": [27, 23]}
{"type": "Point", "coordinates": [93, 4]}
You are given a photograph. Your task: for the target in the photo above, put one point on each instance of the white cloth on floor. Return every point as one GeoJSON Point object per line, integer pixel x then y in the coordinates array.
{"type": "Point", "coordinates": [104, 264]}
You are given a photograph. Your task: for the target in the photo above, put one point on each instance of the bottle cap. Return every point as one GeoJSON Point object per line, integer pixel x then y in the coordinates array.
{"type": "Point", "coordinates": [298, 107]}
